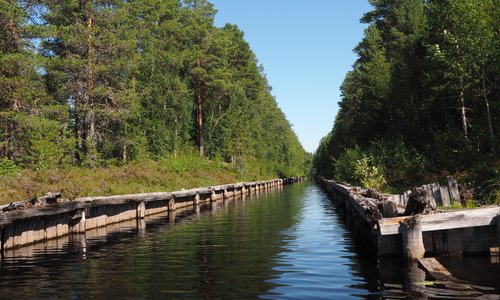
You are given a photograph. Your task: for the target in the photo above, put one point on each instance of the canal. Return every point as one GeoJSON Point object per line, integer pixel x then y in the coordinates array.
{"type": "Point", "coordinates": [289, 243]}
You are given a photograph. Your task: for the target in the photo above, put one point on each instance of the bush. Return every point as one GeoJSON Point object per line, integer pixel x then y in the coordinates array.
{"type": "Point", "coordinates": [404, 166]}
{"type": "Point", "coordinates": [369, 174]}
{"type": "Point", "coordinates": [345, 165]}
{"type": "Point", "coordinates": [7, 167]}
{"type": "Point", "coordinates": [360, 168]}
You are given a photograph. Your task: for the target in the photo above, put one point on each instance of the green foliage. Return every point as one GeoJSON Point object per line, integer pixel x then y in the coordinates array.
{"type": "Point", "coordinates": [360, 168]}
{"type": "Point", "coordinates": [7, 167]}
{"type": "Point", "coordinates": [106, 84]}
{"type": "Point", "coordinates": [398, 161]}
{"type": "Point", "coordinates": [421, 97]}
{"type": "Point", "coordinates": [189, 163]}
{"type": "Point", "coordinates": [368, 173]}
{"type": "Point", "coordinates": [345, 165]}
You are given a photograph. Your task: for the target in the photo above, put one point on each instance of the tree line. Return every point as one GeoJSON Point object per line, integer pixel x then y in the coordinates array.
{"type": "Point", "coordinates": [422, 97]}
{"type": "Point", "coordinates": [103, 82]}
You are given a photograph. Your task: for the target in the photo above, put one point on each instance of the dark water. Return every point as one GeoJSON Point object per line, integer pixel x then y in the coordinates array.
{"type": "Point", "coordinates": [284, 244]}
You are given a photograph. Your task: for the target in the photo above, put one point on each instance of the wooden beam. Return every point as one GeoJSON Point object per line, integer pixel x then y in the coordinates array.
{"type": "Point", "coordinates": [47, 210]}
{"type": "Point", "coordinates": [443, 221]}
{"type": "Point", "coordinates": [121, 199]}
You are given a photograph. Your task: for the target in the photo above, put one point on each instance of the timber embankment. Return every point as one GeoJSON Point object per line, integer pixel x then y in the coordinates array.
{"type": "Point", "coordinates": [398, 225]}
{"type": "Point", "coordinates": [45, 218]}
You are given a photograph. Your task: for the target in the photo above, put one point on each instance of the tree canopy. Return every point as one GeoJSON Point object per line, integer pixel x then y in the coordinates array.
{"type": "Point", "coordinates": [423, 95]}
{"type": "Point", "coordinates": [98, 83]}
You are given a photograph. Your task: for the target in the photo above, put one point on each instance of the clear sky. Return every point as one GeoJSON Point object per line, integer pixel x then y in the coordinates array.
{"type": "Point", "coordinates": [305, 47]}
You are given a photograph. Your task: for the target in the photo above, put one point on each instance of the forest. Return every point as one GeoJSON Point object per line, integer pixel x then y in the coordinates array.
{"type": "Point", "coordinates": [140, 87]}
{"type": "Point", "coordinates": [422, 100]}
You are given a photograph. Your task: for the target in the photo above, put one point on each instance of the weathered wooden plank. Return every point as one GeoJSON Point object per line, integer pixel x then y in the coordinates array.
{"type": "Point", "coordinates": [453, 189]}
{"type": "Point", "coordinates": [445, 196]}
{"type": "Point", "coordinates": [443, 221]}
{"type": "Point", "coordinates": [434, 268]}
{"type": "Point", "coordinates": [435, 189]}
{"type": "Point", "coordinates": [121, 199]}
{"type": "Point", "coordinates": [47, 210]}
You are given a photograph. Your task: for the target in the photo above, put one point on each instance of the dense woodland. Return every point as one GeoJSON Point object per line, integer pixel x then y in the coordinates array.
{"type": "Point", "coordinates": [106, 83]}
{"type": "Point", "coordinates": [422, 99]}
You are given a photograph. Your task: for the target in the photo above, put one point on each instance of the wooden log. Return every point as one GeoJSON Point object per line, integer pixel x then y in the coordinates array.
{"type": "Point", "coordinates": [449, 286]}
{"type": "Point", "coordinates": [434, 268]}
{"type": "Point", "coordinates": [373, 193]}
{"type": "Point", "coordinates": [411, 236]}
{"type": "Point", "coordinates": [443, 221]}
{"type": "Point", "coordinates": [389, 209]}
{"type": "Point", "coordinates": [120, 199]}
{"type": "Point", "coordinates": [417, 201]}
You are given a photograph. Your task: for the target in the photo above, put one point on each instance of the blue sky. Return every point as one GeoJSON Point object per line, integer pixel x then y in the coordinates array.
{"type": "Point", "coordinates": [306, 49]}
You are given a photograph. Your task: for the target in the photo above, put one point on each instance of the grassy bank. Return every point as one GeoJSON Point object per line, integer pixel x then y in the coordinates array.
{"type": "Point", "coordinates": [168, 174]}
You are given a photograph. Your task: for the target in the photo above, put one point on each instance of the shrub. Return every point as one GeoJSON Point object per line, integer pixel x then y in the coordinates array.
{"type": "Point", "coordinates": [360, 168]}
{"type": "Point", "coordinates": [369, 174]}
{"type": "Point", "coordinates": [7, 167]}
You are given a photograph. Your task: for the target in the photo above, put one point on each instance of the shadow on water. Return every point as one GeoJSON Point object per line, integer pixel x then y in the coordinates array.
{"type": "Point", "coordinates": [293, 243]}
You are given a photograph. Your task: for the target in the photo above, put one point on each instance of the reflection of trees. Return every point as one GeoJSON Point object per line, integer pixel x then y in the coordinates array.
{"type": "Point", "coordinates": [219, 255]}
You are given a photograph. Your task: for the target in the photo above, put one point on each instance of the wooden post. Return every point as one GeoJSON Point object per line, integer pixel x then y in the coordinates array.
{"type": "Point", "coordinates": [80, 218]}
{"type": "Point", "coordinates": [445, 196]}
{"type": "Point", "coordinates": [171, 205]}
{"type": "Point", "coordinates": [415, 277]}
{"type": "Point", "coordinates": [141, 210]}
{"type": "Point", "coordinates": [498, 229]}
{"type": "Point", "coordinates": [453, 189]}
{"type": "Point", "coordinates": [141, 226]}
{"type": "Point", "coordinates": [171, 216]}
{"type": "Point", "coordinates": [411, 235]}
{"type": "Point", "coordinates": [243, 190]}
{"type": "Point", "coordinates": [436, 193]}
{"type": "Point", "coordinates": [196, 201]}
{"type": "Point", "coordinates": [225, 194]}
{"type": "Point", "coordinates": [213, 196]}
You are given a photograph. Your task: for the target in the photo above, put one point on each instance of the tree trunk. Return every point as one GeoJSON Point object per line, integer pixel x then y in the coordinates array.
{"type": "Point", "coordinates": [462, 108]}
{"type": "Point", "coordinates": [199, 116]}
{"type": "Point", "coordinates": [488, 113]}
{"type": "Point", "coordinates": [89, 111]}
{"type": "Point", "coordinates": [199, 123]}
{"type": "Point", "coordinates": [461, 95]}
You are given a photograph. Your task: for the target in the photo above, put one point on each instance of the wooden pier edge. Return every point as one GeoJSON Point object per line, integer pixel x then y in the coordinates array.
{"type": "Point", "coordinates": [465, 231]}
{"type": "Point", "coordinates": [22, 227]}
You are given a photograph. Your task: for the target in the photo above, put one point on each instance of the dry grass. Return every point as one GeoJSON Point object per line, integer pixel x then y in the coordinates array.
{"type": "Point", "coordinates": [140, 177]}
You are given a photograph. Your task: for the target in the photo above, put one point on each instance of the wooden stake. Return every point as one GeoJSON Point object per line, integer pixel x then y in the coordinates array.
{"type": "Point", "coordinates": [411, 233]}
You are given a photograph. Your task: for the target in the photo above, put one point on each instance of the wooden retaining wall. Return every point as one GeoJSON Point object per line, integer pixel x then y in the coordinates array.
{"type": "Point", "coordinates": [82, 215]}
{"type": "Point", "coordinates": [465, 231]}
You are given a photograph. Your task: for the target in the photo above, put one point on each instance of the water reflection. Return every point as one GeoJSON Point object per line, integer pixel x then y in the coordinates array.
{"type": "Point", "coordinates": [290, 244]}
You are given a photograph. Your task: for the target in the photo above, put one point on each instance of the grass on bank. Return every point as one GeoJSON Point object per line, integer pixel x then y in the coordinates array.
{"type": "Point", "coordinates": [168, 174]}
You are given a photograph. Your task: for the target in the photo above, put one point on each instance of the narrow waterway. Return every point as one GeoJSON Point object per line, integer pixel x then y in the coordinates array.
{"type": "Point", "coordinates": [287, 243]}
